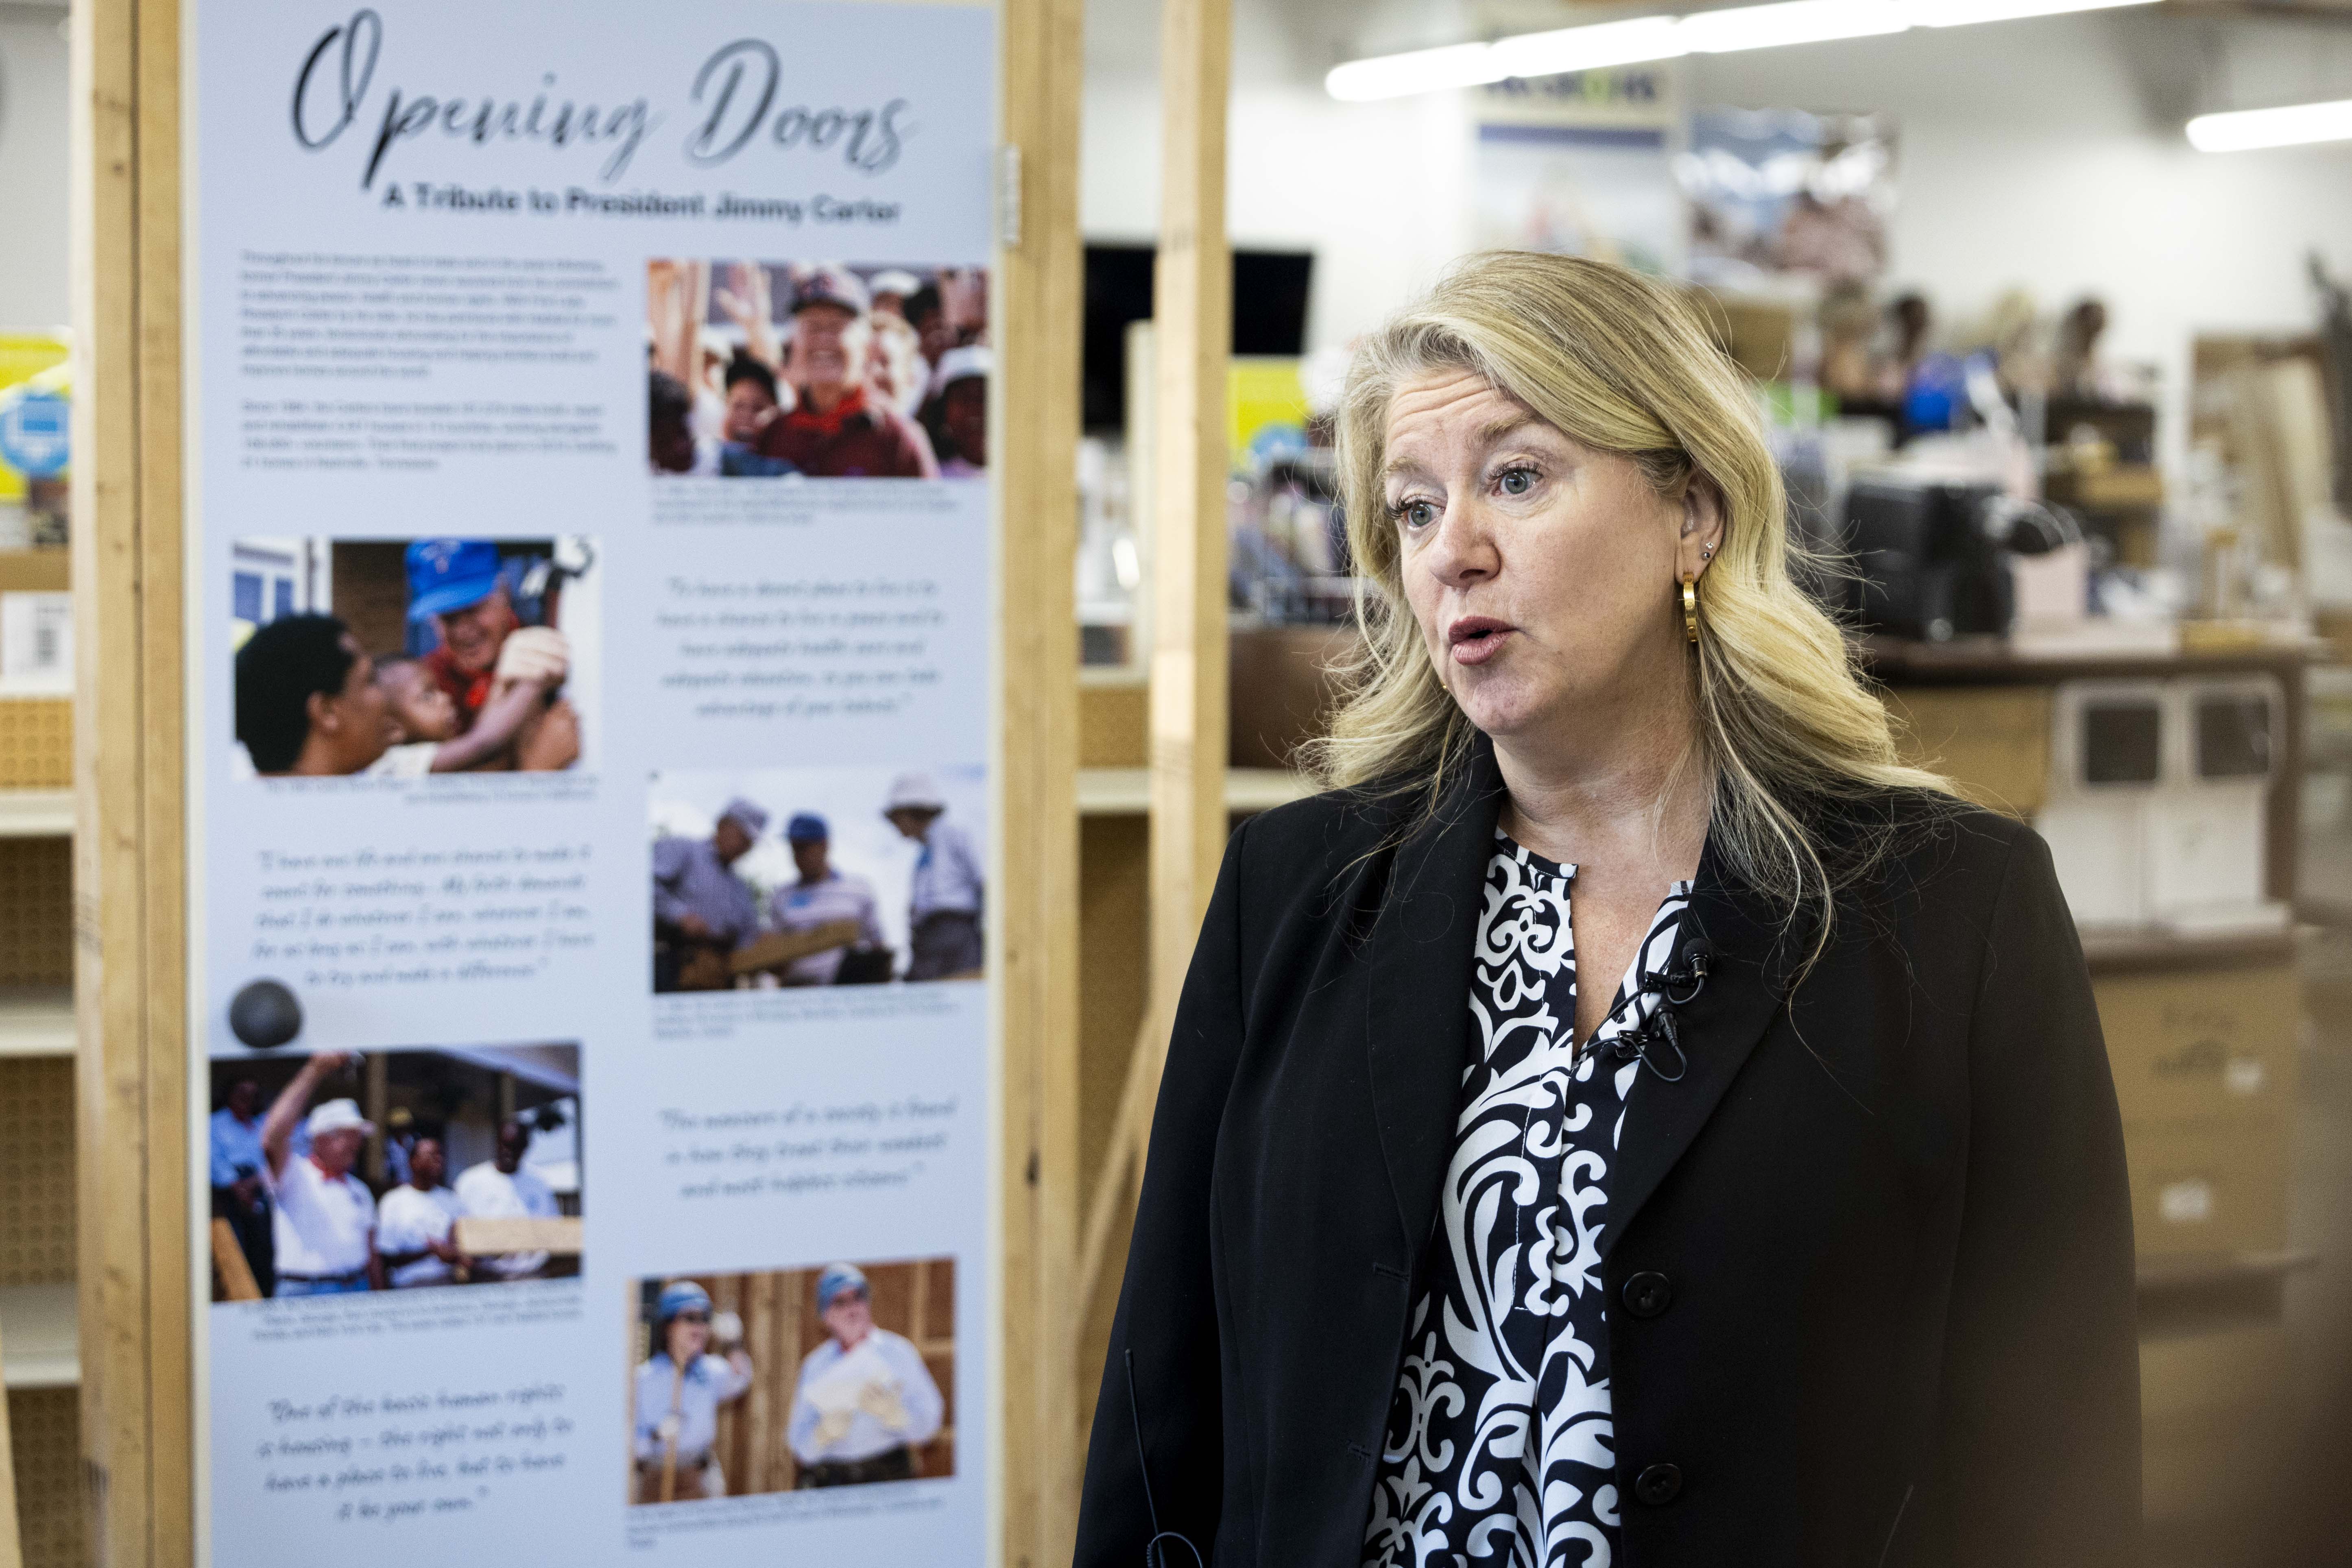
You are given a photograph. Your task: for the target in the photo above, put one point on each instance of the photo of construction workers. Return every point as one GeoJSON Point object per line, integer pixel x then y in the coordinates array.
{"type": "Point", "coordinates": [338, 1173]}
{"type": "Point", "coordinates": [405, 659]}
{"type": "Point", "coordinates": [818, 877]}
{"type": "Point", "coordinates": [841, 1374]}
{"type": "Point", "coordinates": [819, 369]}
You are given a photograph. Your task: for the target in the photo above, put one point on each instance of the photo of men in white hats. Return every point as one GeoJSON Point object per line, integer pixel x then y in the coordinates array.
{"type": "Point", "coordinates": [838, 1374]}
{"type": "Point", "coordinates": [352, 1207]}
{"type": "Point", "coordinates": [325, 1227]}
{"type": "Point", "coordinates": [944, 897]}
{"type": "Point", "coordinates": [877, 875]}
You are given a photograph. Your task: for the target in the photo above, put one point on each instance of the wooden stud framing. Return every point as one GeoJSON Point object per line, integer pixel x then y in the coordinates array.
{"type": "Point", "coordinates": [1192, 329]}
{"type": "Point", "coordinates": [1192, 333]}
{"type": "Point", "coordinates": [1041, 273]}
{"type": "Point", "coordinates": [129, 846]}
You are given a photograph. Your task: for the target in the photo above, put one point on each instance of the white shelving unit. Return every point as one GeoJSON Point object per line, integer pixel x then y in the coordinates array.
{"type": "Point", "coordinates": [37, 1022]}
{"type": "Point", "coordinates": [36, 813]}
{"type": "Point", "coordinates": [1126, 792]}
{"type": "Point", "coordinates": [41, 1337]}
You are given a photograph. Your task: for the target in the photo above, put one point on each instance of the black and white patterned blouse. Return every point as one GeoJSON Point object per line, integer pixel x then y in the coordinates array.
{"type": "Point", "coordinates": [1499, 1448]}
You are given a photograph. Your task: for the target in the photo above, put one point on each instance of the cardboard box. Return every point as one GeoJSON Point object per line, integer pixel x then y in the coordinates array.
{"type": "Point", "coordinates": [2215, 1188]}
{"type": "Point", "coordinates": [2216, 1043]}
{"type": "Point", "coordinates": [34, 571]}
{"type": "Point", "coordinates": [1993, 741]}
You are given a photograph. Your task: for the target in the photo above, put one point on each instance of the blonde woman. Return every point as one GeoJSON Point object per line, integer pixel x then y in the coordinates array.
{"type": "Point", "coordinates": [1631, 1116]}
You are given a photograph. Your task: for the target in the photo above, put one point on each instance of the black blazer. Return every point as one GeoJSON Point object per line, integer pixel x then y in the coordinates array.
{"type": "Point", "coordinates": [1889, 1211]}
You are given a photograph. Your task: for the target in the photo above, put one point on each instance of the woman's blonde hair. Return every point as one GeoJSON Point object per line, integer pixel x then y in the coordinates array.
{"type": "Point", "coordinates": [1622, 363]}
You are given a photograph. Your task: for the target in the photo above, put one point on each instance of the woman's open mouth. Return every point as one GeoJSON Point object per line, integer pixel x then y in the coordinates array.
{"type": "Point", "coordinates": [1475, 639]}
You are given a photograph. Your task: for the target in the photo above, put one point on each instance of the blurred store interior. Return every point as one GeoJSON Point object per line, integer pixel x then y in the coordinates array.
{"type": "Point", "coordinates": [2071, 393]}
{"type": "Point", "coordinates": [1988, 288]}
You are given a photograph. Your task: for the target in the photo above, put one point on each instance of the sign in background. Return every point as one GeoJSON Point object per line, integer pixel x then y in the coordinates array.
{"type": "Point", "coordinates": [436, 245]}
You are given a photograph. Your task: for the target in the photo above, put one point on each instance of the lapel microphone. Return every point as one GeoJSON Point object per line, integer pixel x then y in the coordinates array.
{"type": "Point", "coordinates": [1154, 1554]}
{"type": "Point", "coordinates": [1676, 985]}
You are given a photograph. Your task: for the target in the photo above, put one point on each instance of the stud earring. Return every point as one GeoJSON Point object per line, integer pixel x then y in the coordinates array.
{"type": "Point", "coordinates": [1706, 553]}
{"type": "Point", "coordinates": [1690, 609]}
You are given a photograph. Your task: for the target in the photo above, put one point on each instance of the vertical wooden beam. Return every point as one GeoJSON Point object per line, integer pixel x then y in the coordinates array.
{"type": "Point", "coordinates": [1040, 285]}
{"type": "Point", "coordinates": [1192, 336]}
{"type": "Point", "coordinates": [1193, 331]}
{"type": "Point", "coordinates": [129, 844]}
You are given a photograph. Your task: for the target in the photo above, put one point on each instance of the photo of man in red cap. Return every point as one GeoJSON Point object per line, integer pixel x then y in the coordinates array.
{"type": "Point", "coordinates": [837, 427]}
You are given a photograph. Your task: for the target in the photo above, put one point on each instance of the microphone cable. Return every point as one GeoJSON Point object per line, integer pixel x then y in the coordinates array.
{"type": "Point", "coordinates": [1154, 1554]}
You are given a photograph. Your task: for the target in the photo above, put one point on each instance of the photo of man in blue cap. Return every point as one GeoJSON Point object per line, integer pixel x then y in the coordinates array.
{"type": "Point", "coordinates": [459, 586]}
{"type": "Point", "coordinates": [823, 895]}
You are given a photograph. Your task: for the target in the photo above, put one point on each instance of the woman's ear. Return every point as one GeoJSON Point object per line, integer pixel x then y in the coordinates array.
{"type": "Point", "coordinates": [1702, 525]}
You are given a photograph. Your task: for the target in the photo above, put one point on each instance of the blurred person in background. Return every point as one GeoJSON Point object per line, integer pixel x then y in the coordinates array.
{"type": "Point", "coordinates": [503, 1187]}
{"type": "Point", "coordinates": [891, 288]}
{"type": "Point", "coordinates": [240, 1193]}
{"type": "Point", "coordinates": [1632, 1117]}
{"type": "Point", "coordinates": [956, 414]}
{"type": "Point", "coordinates": [413, 1222]}
{"type": "Point", "coordinates": [865, 1401]}
{"type": "Point", "coordinates": [678, 1391]}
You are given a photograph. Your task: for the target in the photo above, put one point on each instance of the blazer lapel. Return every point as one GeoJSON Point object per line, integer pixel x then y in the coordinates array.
{"type": "Point", "coordinates": [1753, 953]}
{"type": "Point", "coordinates": [1420, 953]}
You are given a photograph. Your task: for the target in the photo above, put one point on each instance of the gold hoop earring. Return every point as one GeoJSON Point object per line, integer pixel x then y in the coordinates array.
{"type": "Point", "coordinates": [1690, 608]}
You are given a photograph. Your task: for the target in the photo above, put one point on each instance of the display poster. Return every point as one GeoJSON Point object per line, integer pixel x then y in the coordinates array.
{"type": "Point", "coordinates": [591, 571]}
{"type": "Point", "coordinates": [1581, 164]}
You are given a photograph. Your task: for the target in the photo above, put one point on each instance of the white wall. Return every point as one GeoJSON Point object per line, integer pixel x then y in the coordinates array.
{"type": "Point", "coordinates": [32, 163]}
{"type": "Point", "coordinates": [2046, 154]}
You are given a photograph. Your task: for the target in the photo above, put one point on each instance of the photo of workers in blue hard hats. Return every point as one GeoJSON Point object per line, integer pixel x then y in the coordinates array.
{"type": "Point", "coordinates": [840, 1375]}
{"type": "Point", "coordinates": [405, 659]}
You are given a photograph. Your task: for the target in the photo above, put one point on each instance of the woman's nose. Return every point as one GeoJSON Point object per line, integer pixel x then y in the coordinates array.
{"type": "Point", "coordinates": [1463, 552]}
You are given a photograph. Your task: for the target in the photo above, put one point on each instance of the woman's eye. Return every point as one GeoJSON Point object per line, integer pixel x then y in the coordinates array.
{"type": "Point", "coordinates": [1416, 514]}
{"type": "Point", "coordinates": [1517, 481]}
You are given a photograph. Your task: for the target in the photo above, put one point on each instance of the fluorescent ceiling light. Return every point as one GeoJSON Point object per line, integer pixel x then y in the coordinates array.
{"type": "Point", "coordinates": [2292, 126]}
{"type": "Point", "coordinates": [1603, 44]}
{"type": "Point", "coordinates": [1664, 37]}
{"type": "Point", "coordinates": [1789, 22]}
{"type": "Point", "coordinates": [1964, 12]}
{"type": "Point", "coordinates": [1422, 70]}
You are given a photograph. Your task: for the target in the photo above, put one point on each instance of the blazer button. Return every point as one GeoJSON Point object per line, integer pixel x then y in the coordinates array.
{"type": "Point", "coordinates": [1647, 1294]}
{"type": "Point", "coordinates": [1659, 1485]}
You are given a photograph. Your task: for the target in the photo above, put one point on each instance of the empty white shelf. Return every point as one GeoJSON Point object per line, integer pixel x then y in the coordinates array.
{"type": "Point", "coordinates": [37, 1022]}
{"type": "Point", "coordinates": [1126, 792]}
{"type": "Point", "coordinates": [40, 1336]}
{"type": "Point", "coordinates": [36, 813]}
